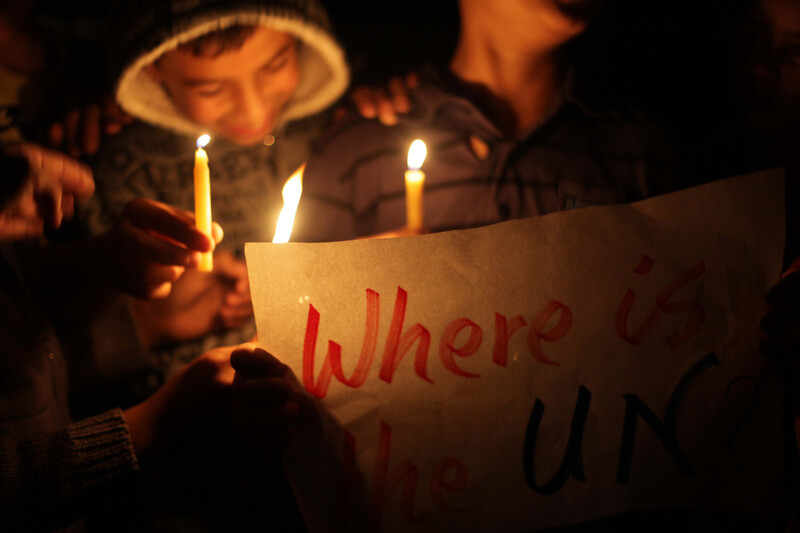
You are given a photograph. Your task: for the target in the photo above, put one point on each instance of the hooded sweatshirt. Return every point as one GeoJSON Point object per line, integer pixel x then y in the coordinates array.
{"type": "Point", "coordinates": [156, 161]}
{"type": "Point", "coordinates": [154, 157]}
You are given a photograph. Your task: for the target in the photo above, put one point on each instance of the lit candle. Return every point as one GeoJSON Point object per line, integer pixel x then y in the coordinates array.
{"type": "Point", "coordinates": [202, 199]}
{"type": "Point", "coordinates": [291, 192]}
{"type": "Point", "coordinates": [415, 181]}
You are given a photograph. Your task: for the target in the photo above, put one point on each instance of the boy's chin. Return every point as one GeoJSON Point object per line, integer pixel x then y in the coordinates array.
{"type": "Point", "coordinates": [243, 140]}
{"type": "Point", "coordinates": [243, 136]}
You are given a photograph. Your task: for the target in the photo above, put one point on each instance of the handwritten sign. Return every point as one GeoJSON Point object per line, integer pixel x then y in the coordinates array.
{"type": "Point", "coordinates": [535, 373]}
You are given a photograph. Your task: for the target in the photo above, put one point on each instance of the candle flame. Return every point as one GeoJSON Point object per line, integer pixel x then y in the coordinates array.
{"type": "Point", "coordinates": [203, 140]}
{"type": "Point", "coordinates": [291, 197]}
{"type": "Point", "coordinates": [416, 154]}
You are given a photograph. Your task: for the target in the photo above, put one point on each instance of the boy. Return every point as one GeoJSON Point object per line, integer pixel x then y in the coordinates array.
{"type": "Point", "coordinates": [253, 74]}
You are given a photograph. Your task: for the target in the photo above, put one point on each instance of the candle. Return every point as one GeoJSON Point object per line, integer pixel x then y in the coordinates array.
{"type": "Point", "coordinates": [291, 193]}
{"type": "Point", "coordinates": [202, 199]}
{"type": "Point", "coordinates": [415, 181]}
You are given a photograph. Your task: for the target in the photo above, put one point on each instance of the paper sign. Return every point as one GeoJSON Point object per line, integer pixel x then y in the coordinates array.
{"type": "Point", "coordinates": [535, 373]}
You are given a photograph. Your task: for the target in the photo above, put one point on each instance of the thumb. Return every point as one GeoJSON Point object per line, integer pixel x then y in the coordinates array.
{"type": "Point", "coordinates": [253, 362]}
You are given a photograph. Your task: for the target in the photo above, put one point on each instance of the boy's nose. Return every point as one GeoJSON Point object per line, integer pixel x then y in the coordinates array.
{"type": "Point", "coordinates": [252, 106]}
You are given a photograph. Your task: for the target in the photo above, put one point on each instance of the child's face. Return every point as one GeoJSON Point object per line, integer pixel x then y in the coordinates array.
{"type": "Point", "coordinates": [238, 94]}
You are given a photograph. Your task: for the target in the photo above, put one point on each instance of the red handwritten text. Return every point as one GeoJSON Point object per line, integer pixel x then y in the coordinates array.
{"type": "Point", "coordinates": [662, 306]}
{"type": "Point", "coordinates": [400, 341]}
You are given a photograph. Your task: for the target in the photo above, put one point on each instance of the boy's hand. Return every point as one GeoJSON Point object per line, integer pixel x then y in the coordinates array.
{"type": "Point", "coordinates": [39, 188]}
{"type": "Point", "coordinates": [264, 406]}
{"type": "Point", "coordinates": [194, 404]}
{"type": "Point", "coordinates": [151, 245]}
{"type": "Point", "coordinates": [385, 103]}
{"type": "Point", "coordinates": [82, 130]}
{"type": "Point", "coordinates": [200, 302]}
{"type": "Point", "coordinates": [780, 325]}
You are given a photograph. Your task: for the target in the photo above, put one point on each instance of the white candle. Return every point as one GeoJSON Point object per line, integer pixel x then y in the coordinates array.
{"type": "Point", "coordinates": [202, 199]}
{"type": "Point", "coordinates": [415, 182]}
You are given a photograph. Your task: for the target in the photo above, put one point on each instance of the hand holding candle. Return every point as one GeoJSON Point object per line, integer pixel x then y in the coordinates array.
{"type": "Point", "coordinates": [202, 199]}
{"type": "Point", "coordinates": [415, 181]}
{"type": "Point", "coordinates": [149, 247]}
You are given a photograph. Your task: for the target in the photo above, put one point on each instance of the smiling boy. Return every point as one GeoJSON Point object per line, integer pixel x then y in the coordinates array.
{"type": "Point", "coordinates": [258, 77]}
{"type": "Point", "coordinates": [255, 75]}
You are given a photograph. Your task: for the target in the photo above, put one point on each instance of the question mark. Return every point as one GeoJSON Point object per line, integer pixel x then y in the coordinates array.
{"type": "Point", "coordinates": [737, 428]}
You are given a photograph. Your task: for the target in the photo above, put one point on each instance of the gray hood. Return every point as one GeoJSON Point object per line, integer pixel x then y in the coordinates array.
{"type": "Point", "coordinates": [148, 29]}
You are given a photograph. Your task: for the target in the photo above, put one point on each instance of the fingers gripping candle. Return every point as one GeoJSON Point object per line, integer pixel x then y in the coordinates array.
{"type": "Point", "coordinates": [415, 181]}
{"type": "Point", "coordinates": [202, 199]}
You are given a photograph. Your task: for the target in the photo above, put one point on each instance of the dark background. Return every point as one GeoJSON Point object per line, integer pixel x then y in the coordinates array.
{"type": "Point", "coordinates": [654, 54]}
{"type": "Point", "coordinates": [657, 55]}
{"type": "Point", "coordinates": [675, 61]}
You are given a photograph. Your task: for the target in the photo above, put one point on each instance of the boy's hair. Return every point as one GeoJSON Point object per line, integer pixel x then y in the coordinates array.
{"type": "Point", "coordinates": [217, 42]}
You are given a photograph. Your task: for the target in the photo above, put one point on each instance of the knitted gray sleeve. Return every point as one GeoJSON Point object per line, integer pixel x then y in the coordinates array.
{"type": "Point", "coordinates": [45, 478]}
